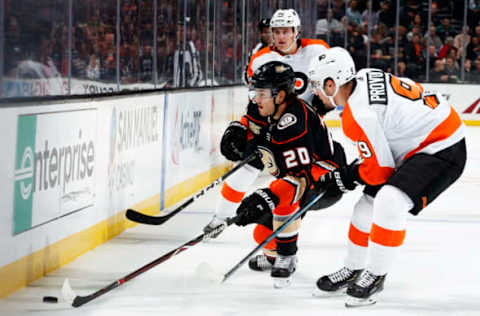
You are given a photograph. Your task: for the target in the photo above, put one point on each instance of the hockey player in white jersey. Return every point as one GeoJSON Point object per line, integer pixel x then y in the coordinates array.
{"type": "Point", "coordinates": [237, 142]}
{"type": "Point", "coordinates": [412, 145]}
{"type": "Point", "coordinates": [289, 48]}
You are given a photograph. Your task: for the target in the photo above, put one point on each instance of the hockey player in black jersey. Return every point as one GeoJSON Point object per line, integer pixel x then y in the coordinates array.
{"type": "Point", "coordinates": [296, 149]}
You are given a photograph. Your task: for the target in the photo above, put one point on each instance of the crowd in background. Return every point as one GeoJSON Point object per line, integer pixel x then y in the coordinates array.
{"type": "Point", "coordinates": [446, 32]}
{"type": "Point", "coordinates": [36, 38]}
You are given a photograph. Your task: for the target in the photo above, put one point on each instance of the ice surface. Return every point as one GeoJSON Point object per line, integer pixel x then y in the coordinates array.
{"type": "Point", "coordinates": [437, 272]}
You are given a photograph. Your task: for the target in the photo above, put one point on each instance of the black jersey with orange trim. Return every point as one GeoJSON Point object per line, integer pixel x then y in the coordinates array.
{"type": "Point", "coordinates": [293, 143]}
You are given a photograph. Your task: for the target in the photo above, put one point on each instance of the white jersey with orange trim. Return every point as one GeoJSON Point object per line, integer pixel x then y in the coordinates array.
{"type": "Point", "coordinates": [390, 119]}
{"type": "Point", "coordinates": [299, 61]}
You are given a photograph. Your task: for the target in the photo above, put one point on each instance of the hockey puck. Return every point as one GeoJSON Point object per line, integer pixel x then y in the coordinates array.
{"type": "Point", "coordinates": [50, 299]}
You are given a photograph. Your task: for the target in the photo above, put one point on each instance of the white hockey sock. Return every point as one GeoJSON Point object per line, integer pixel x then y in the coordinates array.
{"type": "Point", "coordinates": [391, 207]}
{"type": "Point", "coordinates": [357, 244]}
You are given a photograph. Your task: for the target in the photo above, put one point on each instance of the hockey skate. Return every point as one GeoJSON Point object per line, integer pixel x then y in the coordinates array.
{"type": "Point", "coordinates": [335, 283]}
{"type": "Point", "coordinates": [282, 270]}
{"type": "Point", "coordinates": [261, 263]}
{"type": "Point", "coordinates": [364, 290]}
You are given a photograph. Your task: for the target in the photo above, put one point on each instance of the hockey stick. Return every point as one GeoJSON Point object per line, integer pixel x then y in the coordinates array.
{"type": "Point", "coordinates": [273, 235]}
{"type": "Point", "coordinates": [158, 220]}
{"type": "Point", "coordinates": [75, 300]}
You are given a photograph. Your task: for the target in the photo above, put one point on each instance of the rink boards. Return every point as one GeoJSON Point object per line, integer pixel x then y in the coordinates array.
{"type": "Point", "coordinates": [71, 169]}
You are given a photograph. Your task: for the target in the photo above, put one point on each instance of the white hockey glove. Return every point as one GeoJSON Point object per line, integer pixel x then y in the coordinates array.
{"type": "Point", "coordinates": [216, 226]}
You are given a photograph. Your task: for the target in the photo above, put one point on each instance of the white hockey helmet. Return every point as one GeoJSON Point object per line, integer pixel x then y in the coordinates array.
{"type": "Point", "coordinates": [336, 64]}
{"type": "Point", "coordinates": [286, 18]}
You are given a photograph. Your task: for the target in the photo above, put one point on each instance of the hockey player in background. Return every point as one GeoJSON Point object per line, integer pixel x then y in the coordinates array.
{"type": "Point", "coordinates": [288, 47]}
{"type": "Point", "coordinates": [265, 40]}
{"type": "Point", "coordinates": [413, 148]}
{"type": "Point", "coordinates": [296, 148]}
{"type": "Point", "coordinates": [285, 28]}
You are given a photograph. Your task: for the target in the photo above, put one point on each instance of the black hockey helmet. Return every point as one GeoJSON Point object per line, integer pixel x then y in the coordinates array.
{"type": "Point", "coordinates": [276, 76]}
{"type": "Point", "coordinates": [263, 23]}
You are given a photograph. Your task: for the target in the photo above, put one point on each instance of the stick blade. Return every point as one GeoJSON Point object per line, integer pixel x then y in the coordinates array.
{"type": "Point", "coordinates": [67, 292]}
{"type": "Point", "coordinates": [141, 218]}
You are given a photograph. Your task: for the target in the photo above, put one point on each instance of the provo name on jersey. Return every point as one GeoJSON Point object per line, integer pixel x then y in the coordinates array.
{"type": "Point", "coordinates": [377, 87]}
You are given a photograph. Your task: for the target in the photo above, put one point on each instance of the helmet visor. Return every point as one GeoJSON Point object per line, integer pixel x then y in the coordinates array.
{"type": "Point", "coordinates": [262, 94]}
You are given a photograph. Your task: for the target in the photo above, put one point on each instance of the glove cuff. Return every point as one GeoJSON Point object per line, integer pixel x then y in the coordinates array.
{"type": "Point", "coordinates": [271, 200]}
{"type": "Point", "coordinates": [237, 124]}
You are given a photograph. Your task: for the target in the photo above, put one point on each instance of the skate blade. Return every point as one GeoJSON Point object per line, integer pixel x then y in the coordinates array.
{"type": "Point", "coordinates": [360, 302]}
{"type": "Point", "coordinates": [280, 283]}
{"type": "Point", "coordinates": [320, 293]}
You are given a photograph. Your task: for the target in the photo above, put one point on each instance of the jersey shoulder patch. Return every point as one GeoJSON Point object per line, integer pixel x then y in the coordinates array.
{"type": "Point", "coordinates": [287, 120]}
{"type": "Point", "coordinates": [292, 124]}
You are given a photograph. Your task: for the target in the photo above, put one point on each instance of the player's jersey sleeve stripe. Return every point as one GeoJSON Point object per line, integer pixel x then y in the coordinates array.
{"type": "Point", "coordinates": [443, 131]}
{"type": "Point", "coordinates": [357, 237]}
{"type": "Point", "coordinates": [309, 41]}
{"type": "Point", "coordinates": [261, 52]}
{"type": "Point", "coordinates": [387, 237]}
{"type": "Point", "coordinates": [230, 194]}
{"type": "Point", "coordinates": [370, 171]}
{"type": "Point", "coordinates": [301, 134]}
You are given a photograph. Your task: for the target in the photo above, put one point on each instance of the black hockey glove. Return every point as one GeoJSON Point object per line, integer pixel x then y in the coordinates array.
{"type": "Point", "coordinates": [343, 179]}
{"type": "Point", "coordinates": [233, 141]}
{"type": "Point", "coordinates": [318, 104]}
{"type": "Point", "coordinates": [254, 206]}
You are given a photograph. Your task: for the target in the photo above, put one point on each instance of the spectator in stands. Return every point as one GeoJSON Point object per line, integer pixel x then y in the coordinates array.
{"type": "Point", "coordinates": [435, 40]}
{"type": "Point", "coordinates": [338, 7]}
{"type": "Point", "coordinates": [439, 74]}
{"type": "Point", "coordinates": [328, 25]}
{"type": "Point", "coordinates": [379, 45]}
{"type": "Point", "coordinates": [373, 18]}
{"type": "Point", "coordinates": [468, 77]}
{"type": "Point", "coordinates": [356, 45]}
{"type": "Point", "coordinates": [386, 14]}
{"type": "Point", "coordinates": [446, 48]}
{"type": "Point", "coordinates": [93, 67]}
{"type": "Point", "coordinates": [353, 13]}
{"type": "Point", "coordinates": [417, 22]}
{"type": "Point", "coordinates": [433, 55]}
{"type": "Point", "coordinates": [414, 56]}
{"type": "Point", "coordinates": [452, 69]}
{"type": "Point", "coordinates": [473, 48]}
{"type": "Point", "coordinates": [415, 30]}
{"type": "Point", "coordinates": [475, 73]}
{"type": "Point", "coordinates": [445, 29]}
